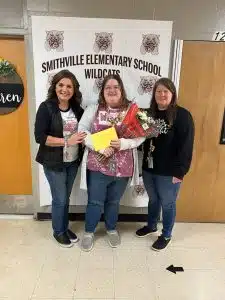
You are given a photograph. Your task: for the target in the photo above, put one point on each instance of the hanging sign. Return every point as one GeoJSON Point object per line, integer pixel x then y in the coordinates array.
{"type": "Point", "coordinates": [11, 88]}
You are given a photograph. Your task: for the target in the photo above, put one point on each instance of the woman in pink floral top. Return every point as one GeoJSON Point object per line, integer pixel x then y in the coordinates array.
{"type": "Point", "coordinates": [107, 172]}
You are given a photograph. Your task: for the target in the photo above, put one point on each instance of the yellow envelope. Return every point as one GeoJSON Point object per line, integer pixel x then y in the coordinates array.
{"type": "Point", "coordinates": [102, 139]}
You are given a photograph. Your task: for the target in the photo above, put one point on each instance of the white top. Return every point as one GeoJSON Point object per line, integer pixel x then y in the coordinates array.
{"type": "Point", "coordinates": [70, 126]}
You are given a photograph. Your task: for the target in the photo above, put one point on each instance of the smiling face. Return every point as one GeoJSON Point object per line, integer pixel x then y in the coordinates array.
{"type": "Point", "coordinates": [112, 93]}
{"type": "Point", "coordinates": [64, 90]}
{"type": "Point", "coordinates": [163, 97]}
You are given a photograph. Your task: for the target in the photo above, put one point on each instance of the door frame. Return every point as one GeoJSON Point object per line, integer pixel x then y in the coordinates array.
{"type": "Point", "coordinates": [176, 63]}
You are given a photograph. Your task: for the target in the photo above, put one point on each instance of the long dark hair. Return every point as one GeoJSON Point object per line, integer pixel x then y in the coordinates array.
{"type": "Point", "coordinates": [76, 99]}
{"type": "Point", "coordinates": [124, 101]}
{"type": "Point", "coordinates": [172, 108]}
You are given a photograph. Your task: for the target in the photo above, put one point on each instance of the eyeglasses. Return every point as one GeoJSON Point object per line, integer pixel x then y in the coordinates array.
{"type": "Point", "coordinates": [115, 87]}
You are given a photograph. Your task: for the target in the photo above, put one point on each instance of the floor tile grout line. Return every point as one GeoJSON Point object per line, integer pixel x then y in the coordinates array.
{"type": "Point", "coordinates": [38, 278]}
{"type": "Point", "coordinates": [41, 271]}
{"type": "Point", "coordinates": [156, 297]}
{"type": "Point", "coordinates": [77, 275]}
{"type": "Point", "coordinates": [114, 286]}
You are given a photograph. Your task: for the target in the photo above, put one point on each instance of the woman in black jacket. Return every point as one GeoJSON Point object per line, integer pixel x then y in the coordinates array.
{"type": "Point", "coordinates": [60, 148]}
{"type": "Point", "coordinates": [166, 160]}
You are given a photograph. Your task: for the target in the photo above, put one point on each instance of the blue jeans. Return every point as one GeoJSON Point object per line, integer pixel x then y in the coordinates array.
{"type": "Point", "coordinates": [61, 183]}
{"type": "Point", "coordinates": [104, 194]}
{"type": "Point", "coordinates": [162, 193]}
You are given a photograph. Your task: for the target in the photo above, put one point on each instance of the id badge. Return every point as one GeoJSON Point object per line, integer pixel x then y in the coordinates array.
{"type": "Point", "coordinates": [150, 162]}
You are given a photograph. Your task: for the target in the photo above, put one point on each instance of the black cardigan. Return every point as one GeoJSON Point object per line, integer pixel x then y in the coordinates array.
{"type": "Point", "coordinates": [49, 122]}
{"type": "Point", "coordinates": [173, 151]}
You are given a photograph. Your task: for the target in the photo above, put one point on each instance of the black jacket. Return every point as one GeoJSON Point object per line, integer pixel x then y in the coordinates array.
{"type": "Point", "coordinates": [173, 151]}
{"type": "Point", "coordinates": [49, 122]}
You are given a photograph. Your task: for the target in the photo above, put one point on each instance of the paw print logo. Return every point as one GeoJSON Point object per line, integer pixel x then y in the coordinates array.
{"type": "Point", "coordinates": [146, 84]}
{"type": "Point", "coordinates": [150, 44]}
{"type": "Point", "coordinates": [103, 42]}
{"type": "Point", "coordinates": [54, 40]}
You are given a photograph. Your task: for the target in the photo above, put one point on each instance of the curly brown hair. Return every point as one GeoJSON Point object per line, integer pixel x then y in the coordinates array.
{"type": "Point", "coordinates": [124, 101]}
{"type": "Point", "coordinates": [172, 108]}
{"type": "Point", "coordinates": [76, 99]}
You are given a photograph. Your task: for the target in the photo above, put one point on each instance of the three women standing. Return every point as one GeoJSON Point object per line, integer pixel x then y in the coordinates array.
{"type": "Point", "coordinates": [105, 174]}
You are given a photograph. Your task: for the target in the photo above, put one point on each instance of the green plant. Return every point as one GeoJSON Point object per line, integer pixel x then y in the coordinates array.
{"type": "Point", "coordinates": [6, 68]}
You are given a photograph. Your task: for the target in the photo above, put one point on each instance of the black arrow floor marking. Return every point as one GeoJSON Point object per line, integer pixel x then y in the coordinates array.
{"type": "Point", "coordinates": [173, 269]}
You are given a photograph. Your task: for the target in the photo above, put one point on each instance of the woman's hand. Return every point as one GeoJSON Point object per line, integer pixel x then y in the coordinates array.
{"type": "Point", "coordinates": [76, 138]}
{"type": "Point", "coordinates": [116, 144]}
{"type": "Point", "coordinates": [176, 180]}
{"type": "Point", "coordinates": [103, 155]}
{"type": "Point", "coordinates": [108, 152]}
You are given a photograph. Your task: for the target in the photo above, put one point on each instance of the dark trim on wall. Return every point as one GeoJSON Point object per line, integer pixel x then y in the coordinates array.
{"type": "Point", "coordinates": [12, 37]}
{"type": "Point", "coordinates": [41, 216]}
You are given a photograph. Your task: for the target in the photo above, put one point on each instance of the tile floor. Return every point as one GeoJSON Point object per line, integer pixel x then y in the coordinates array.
{"type": "Point", "coordinates": [33, 267]}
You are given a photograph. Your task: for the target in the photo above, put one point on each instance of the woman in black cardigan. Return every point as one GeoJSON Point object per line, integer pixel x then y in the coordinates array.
{"type": "Point", "coordinates": [60, 148]}
{"type": "Point", "coordinates": [166, 160]}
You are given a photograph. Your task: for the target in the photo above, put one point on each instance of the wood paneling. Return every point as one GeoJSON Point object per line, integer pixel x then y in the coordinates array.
{"type": "Point", "coordinates": [202, 91]}
{"type": "Point", "coordinates": [15, 160]}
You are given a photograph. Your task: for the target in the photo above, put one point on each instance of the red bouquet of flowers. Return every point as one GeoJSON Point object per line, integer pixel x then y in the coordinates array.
{"type": "Point", "coordinates": [138, 123]}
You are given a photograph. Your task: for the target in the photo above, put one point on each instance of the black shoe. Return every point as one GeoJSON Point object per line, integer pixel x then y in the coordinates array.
{"type": "Point", "coordinates": [63, 240]}
{"type": "Point", "coordinates": [72, 236]}
{"type": "Point", "coordinates": [161, 243]}
{"type": "Point", "coordinates": [144, 231]}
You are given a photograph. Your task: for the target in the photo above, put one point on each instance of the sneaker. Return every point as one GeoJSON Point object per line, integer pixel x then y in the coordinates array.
{"type": "Point", "coordinates": [63, 240]}
{"type": "Point", "coordinates": [113, 238]}
{"type": "Point", "coordinates": [72, 236]}
{"type": "Point", "coordinates": [144, 231]}
{"type": "Point", "coordinates": [161, 243]}
{"type": "Point", "coordinates": [87, 242]}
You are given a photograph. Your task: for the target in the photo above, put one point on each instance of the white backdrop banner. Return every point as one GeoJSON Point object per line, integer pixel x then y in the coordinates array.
{"type": "Point", "coordinates": [137, 50]}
